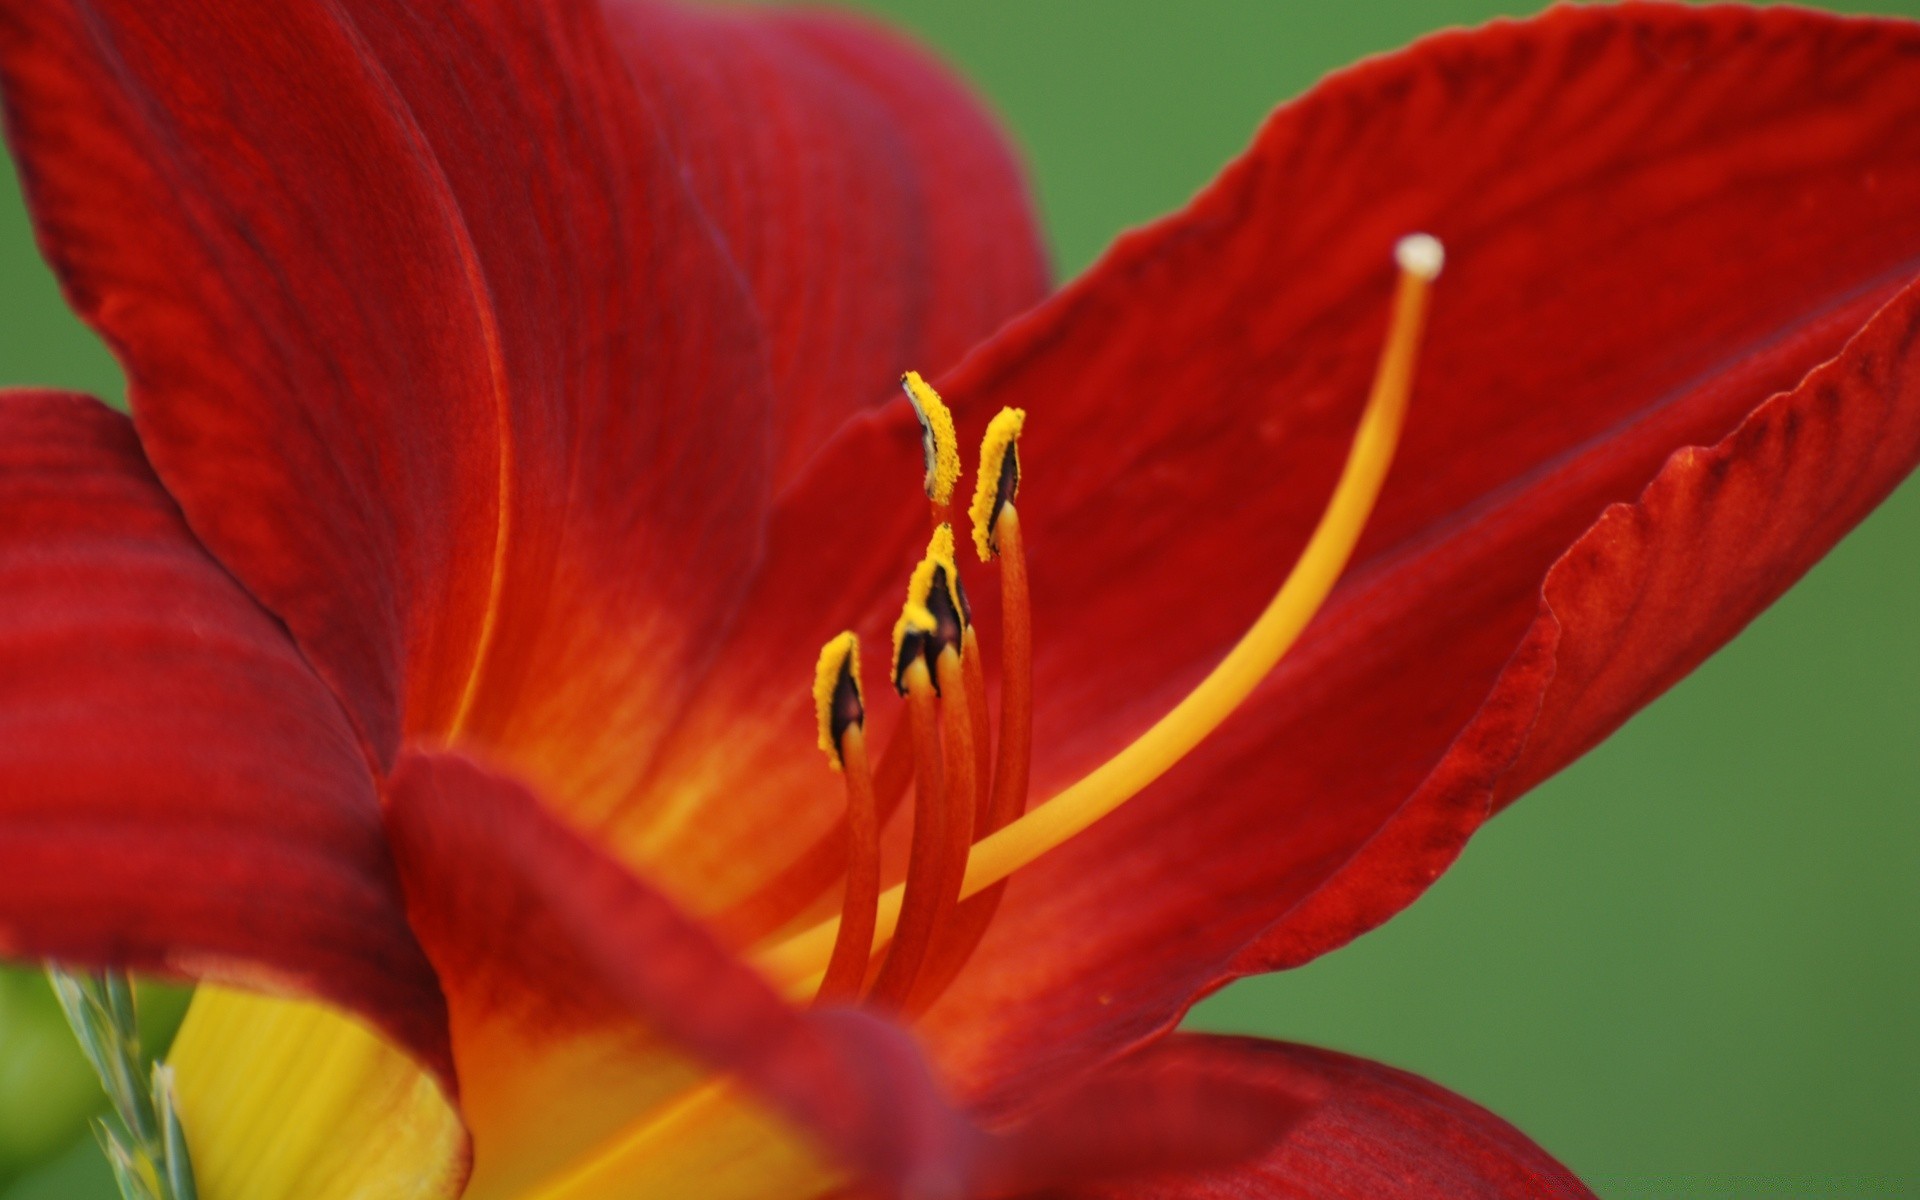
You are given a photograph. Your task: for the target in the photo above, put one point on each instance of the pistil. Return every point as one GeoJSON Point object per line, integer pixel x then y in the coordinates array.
{"type": "Point", "coordinates": [1274, 632]}
{"type": "Point", "coordinates": [946, 816]}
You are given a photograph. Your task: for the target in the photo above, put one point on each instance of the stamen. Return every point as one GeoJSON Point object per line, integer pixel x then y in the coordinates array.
{"type": "Point", "coordinates": [916, 904]}
{"type": "Point", "coordinates": [973, 674]}
{"type": "Point", "coordinates": [1008, 797]}
{"type": "Point", "coordinates": [999, 477]}
{"type": "Point", "coordinates": [926, 654]}
{"type": "Point", "coordinates": [837, 703]}
{"type": "Point", "coordinates": [853, 948]}
{"type": "Point", "coordinates": [937, 439]}
{"type": "Point", "coordinates": [795, 961]}
{"type": "Point", "coordinates": [936, 611]}
{"type": "Point", "coordinates": [843, 736]}
{"type": "Point", "coordinates": [1016, 682]}
{"type": "Point", "coordinates": [996, 529]}
{"type": "Point", "coordinates": [956, 753]}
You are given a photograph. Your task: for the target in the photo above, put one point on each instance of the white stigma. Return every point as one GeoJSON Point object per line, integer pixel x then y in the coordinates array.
{"type": "Point", "coordinates": [1420, 254]}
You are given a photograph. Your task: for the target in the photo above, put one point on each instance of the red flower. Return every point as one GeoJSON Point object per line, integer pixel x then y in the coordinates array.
{"type": "Point", "coordinates": [511, 425]}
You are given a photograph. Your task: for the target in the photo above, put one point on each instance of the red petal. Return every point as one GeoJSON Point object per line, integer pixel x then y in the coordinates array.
{"type": "Point", "coordinates": [877, 214]}
{"type": "Point", "coordinates": [1182, 1104]}
{"type": "Point", "coordinates": [532, 927]}
{"type": "Point", "coordinates": [233, 199]}
{"type": "Point", "coordinates": [178, 793]}
{"type": "Point", "coordinates": [1657, 217]}
{"type": "Point", "coordinates": [388, 281]}
{"type": "Point", "coordinates": [1555, 387]}
{"type": "Point", "coordinates": [1378, 1134]}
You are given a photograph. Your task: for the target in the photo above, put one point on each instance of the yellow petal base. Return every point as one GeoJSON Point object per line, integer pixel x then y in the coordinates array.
{"type": "Point", "coordinates": [289, 1100]}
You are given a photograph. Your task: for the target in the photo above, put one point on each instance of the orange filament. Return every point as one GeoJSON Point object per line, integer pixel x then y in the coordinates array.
{"type": "Point", "coordinates": [917, 903]}
{"type": "Point", "coordinates": [1008, 797]}
{"type": "Point", "coordinates": [847, 969]}
{"type": "Point", "coordinates": [912, 914]}
{"type": "Point", "coordinates": [1016, 685]}
{"type": "Point", "coordinates": [962, 801]}
{"type": "Point", "coordinates": [974, 679]}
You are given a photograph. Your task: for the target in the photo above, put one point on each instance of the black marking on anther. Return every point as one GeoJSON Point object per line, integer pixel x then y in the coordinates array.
{"type": "Point", "coordinates": [1005, 489]}
{"type": "Point", "coordinates": [913, 644]}
{"type": "Point", "coordinates": [848, 708]}
{"type": "Point", "coordinates": [949, 617]}
{"type": "Point", "coordinates": [952, 613]}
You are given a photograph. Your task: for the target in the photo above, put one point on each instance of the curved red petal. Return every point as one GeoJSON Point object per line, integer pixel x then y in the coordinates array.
{"type": "Point", "coordinates": [1436, 683]}
{"type": "Point", "coordinates": [178, 792]}
{"type": "Point", "coordinates": [1176, 1107]}
{"type": "Point", "coordinates": [426, 334]}
{"type": "Point", "coordinates": [1657, 217]}
{"type": "Point", "coordinates": [1377, 1134]}
{"type": "Point", "coordinates": [232, 195]}
{"type": "Point", "coordinates": [877, 214]}
{"type": "Point", "coordinates": [534, 928]}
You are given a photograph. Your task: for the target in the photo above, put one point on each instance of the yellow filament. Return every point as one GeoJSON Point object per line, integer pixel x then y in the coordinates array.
{"type": "Point", "coordinates": [937, 437]}
{"type": "Point", "coordinates": [797, 961]}
{"type": "Point", "coordinates": [1002, 432]}
{"type": "Point", "coordinates": [842, 654]}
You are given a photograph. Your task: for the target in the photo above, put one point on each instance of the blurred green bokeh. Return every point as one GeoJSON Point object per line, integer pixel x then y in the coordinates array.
{"type": "Point", "coordinates": [47, 1091]}
{"type": "Point", "coordinates": [1689, 966]}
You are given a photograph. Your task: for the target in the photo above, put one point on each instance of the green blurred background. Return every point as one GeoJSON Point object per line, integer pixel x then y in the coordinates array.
{"type": "Point", "coordinates": [1689, 967]}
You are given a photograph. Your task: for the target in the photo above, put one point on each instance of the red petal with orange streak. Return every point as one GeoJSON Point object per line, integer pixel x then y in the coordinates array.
{"type": "Point", "coordinates": [178, 792]}
{"type": "Point", "coordinates": [546, 942]}
{"type": "Point", "coordinates": [451, 356]}
{"type": "Point", "coordinates": [1377, 1134]}
{"type": "Point", "coordinates": [877, 214]}
{"type": "Point", "coordinates": [1657, 217]}
{"type": "Point", "coordinates": [234, 196]}
{"type": "Point", "coordinates": [1496, 623]}
{"type": "Point", "coordinates": [547, 945]}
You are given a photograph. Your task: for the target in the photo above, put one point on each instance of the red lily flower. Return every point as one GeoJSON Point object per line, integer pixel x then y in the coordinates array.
{"type": "Point", "coordinates": [511, 425]}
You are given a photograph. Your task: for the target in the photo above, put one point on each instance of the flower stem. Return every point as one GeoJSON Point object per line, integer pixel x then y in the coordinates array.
{"type": "Point", "coordinates": [144, 1143]}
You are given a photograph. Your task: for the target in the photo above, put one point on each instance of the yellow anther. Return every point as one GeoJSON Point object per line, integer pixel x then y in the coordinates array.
{"type": "Point", "coordinates": [798, 960]}
{"type": "Point", "coordinates": [999, 477]}
{"type": "Point", "coordinates": [933, 601]}
{"type": "Point", "coordinates": [937, 440]}
{"type": "Point", "coordinates": [837, 699]}
{"type": "Point", "coordinates": [914, 625]}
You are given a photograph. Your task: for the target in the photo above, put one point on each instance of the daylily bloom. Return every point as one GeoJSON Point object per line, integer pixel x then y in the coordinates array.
{"type": "Point", "coordinates": [423, 667]}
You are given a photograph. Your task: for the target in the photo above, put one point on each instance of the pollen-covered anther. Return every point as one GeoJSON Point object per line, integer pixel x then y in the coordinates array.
{"type": "Point", "coordinates": [998, 480]}
{"type": "Point", "coordinates": [936, 611]}
{"type": "Point", "coordinates": [837, 700]}
{"type": "Point", "coordinates": [843, 735]}
{"type": "Point", "coordinates": [938, 442]}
